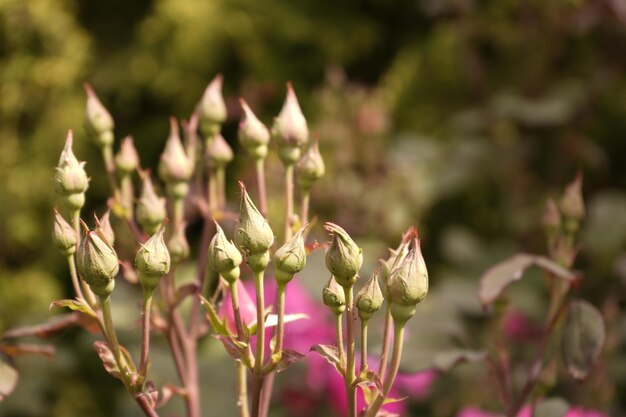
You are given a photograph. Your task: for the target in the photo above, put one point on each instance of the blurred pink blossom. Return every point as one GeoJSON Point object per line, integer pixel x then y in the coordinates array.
{"type": "Point", "coordinates": [526, 411]}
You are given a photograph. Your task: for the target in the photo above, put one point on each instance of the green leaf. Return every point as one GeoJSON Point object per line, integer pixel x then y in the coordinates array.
{"type": "Point", "coordinates": [75, 305]}
{"type": "Point", "coordinates": [551, 407]}
{"type": "Point", "coordinates": [582, 339]}
{"type": "Point", "coordinates": [8, 378]}
{"type": "Point", "coordinates": [497, 278]}
{"type": "Point", "coordinates": [218, 326]}
{"type": "Point", "coordinates": [368, 377]}
{"type": "Point", "coordinates": [445, 361]}
{"type": "Point", "coordinates": [236, 349]}
{"type": "Point", "coordinates": [331, 354]}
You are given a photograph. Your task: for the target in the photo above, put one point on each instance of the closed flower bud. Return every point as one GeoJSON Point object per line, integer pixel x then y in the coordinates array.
{"type": "Point", "coordinates": [344, 258]}
{"type": "Point", "coordinates": [127, 159]}
{"type": "Point", "coordinates": [397, 255]}
{"type": "Point", "coordinates": [572, 205]}
{"type": "Point", "coordinates": [70, 178]}
{"type": "Point", "coordinates": [98, 121]}
{"type": "Point", "coordinates": [551, 219]}
{"type": "Point", "coordinates": [218, 152]}
{"type": "Point", "coordinates": [178, 245]}
{"type": "Point", "coordinates": [64, 236]}
{"type": "Point", "coordinates": [334, 296]}
{"type": "Point", "coordinates": [253, 134]}
{"type": "Point", "coordinates": [223, 256]}
{"type": "Point", "coordinates": [369, 298]}
{"type": "Point", "coordinates": [253, 234]}
{"type": "Point", "coordinates": [408, 283]}
{"type": "Point", "coordinates": [97, 262]}
{"type": "Point", "coordinates": [212, 108]}
{"type": "Point", "coordinates": [310, 167]}
{"type": "Point", "coordinates": [151, 211]}
{"type": "Point", "coordinates": [152, 261]}
{"type": "Point", "coordinates": [104, 224]}
{"type": "Point", "coordinates": [290, 129]}
{"type": "Point", "coordinates": [290, 258]}
{"type": "Point", "coordinates": [175, 166]}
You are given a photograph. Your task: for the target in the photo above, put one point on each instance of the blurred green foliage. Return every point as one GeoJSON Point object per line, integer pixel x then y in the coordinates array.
{"type": "Point", "coordinates": [459, 116]}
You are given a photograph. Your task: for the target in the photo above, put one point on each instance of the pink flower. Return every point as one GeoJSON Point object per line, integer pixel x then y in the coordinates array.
{"type": "Point", "coordinates": [526, 411]}
{"type": "Point", "coordinates": [247, 308]}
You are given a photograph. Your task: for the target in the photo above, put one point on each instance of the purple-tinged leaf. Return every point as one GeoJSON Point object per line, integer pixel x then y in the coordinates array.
{"type": "Point", "coordinates": [288, 357]}
{"type": "Point", "coordinates": [582, 339]}
{"type": "Point", "coordinates": [331, 354]}
{"type": "Point", "coordinates": [47, 351]}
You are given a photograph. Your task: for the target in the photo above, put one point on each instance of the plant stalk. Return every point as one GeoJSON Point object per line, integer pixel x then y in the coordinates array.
{"type": "Point", "coordinates": [260, 178]}
{"type": "Point", "coordinates": [288, 200]}
{"type": "Point", "coordinates": [382, 366]}
{"type": "Point", "coordinates": [145, 330]}
{"type": "Point", "coordinates": [349, 375]}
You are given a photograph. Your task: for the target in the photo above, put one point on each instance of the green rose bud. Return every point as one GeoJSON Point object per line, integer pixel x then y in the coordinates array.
{"type": "Point", "coordinates": [70, 178]}
{"type": "Point", "coordinates": [104, 224]}
{"type": "Point", "coordinates": [178, 245]}
{"type": "Point", "coordinates": [291, 257]}
{"type": "Point", "coordinates": [212, 108]}
{"type": "Point", "coordinates": [334, 296]}
{"type": "Point", "coordinates": [408, 283]}
{"type": "Point", "coordinates": [224, 257]}
{"type": "Point", "coordinates": [127, 158]}
{"type": "Point", "coordinates": [253, 135]}
{"type": "Point", "coordinates": [253, 234]}
{"type": "Point", "coordinates": [572, 205]}
{"type": "Point", "coordinates": [64, 236]}
{"type": "Point", "coordinates": [151, 211]}
{"type": "Point", "coordinates": [344, 258]}
{"type": "Point", "coordinates": [97, 262]}
{"type": "Point", "coordinates": [290, 129]}
{"type": "Point", "coordinates": [98, 121]}
{"type": "Point", "coordinates": [218, 152]}
{"type": "Point", "coordinates": [369, 298]}
{"type": "Point", "coordinates": [152, 261]}
{"type": "Point", "coordinates": [175, 167]}
{"type": "Point", "coordinates": [396, 256]}
{"type": "Point", "coordinates": [310, 167]}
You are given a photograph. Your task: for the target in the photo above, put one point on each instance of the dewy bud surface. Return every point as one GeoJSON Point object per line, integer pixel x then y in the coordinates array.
{"type": "Point", "coordinates": [370, 298]}
{"type": "Point", "coordinates": [64, 235]}
{"type": "Point", "coordinates": [153, 260]}
{"type": "Point", "coordinates": [334, 296]}
{"type": "Point", "coordinates": [70, 176]}
{"type": "Point", "coordinates": [151, 210]}
{"type": "Point", "coordinates": [310, 167]}
{"type": "Point", "coordinates": [175, 166]}
{"type": "Point", "coordinates": [344, 258]}
{"type": "Point", "coordinates": [253, 234]}
{"type": "Point", "coordinates": [97, 262]}
{"type": "Point", "coordinates": [253, 134]}
{"type": "Point", "coordinates": [98, 121]}
{"type": "Point", "coordinates": [212, 107]}
{"type": "Point", "coordinates": [127, 159]}
{"type": "Point", "coordinates": [291, 257]}
{"type": "Point", "coordinates": [223, 256]}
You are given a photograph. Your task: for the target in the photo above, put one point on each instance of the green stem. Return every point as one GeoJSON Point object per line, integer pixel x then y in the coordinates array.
{"type": "Point", "coordinates": [304, 217]}
{"type": "Point", "coordinates": [109, 166]}
{"type": "Point", "coordinates": [382, 366]}
{"type": "Point", "coordinates": [242, 388]}
{"type": "Point", "coordinates": [280, 329]}
{"type": "Point", "coordinates": [339, 331]}
{"type": "Point", "coordinates": [260, 178]}
{"type": "Point", "coordinates": [260, 343]}
{"type": "Point", "coordinates": [398, 340]}
{"type": "Point", "coordinates": [127, 195]}
{"type": "Point", "coordinates": [221, 187]}
{"type": "Point", "coordinates": [234, 297]}
{"type": "Point", "coordinates": [75, 282]}
{"type": "Point", "coordinates": [105, 303]}
{"type": "Point", "coordinates": [349, 376]}
{"type": "Point", "coordinates": [145, 330]}
{"type": "Point", "coordinates": [288, 200]}
{"type": "Point", "coordinates": [212, 192]}
{"type": "Point", "coordinates": [363, 345]}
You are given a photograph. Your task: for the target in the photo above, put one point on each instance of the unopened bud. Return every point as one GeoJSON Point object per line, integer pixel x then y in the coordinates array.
{"type": "Point", "coordinates": [152, 261]}
{"type": "Point", "coordinates": [178, 245]}
{"type": "Point", "coordinates": [253, 134]}
{"type": "Point", "coordinates": [98, 121]}
{"type": "Point", "coordinates": [64, 236]}
{"type": "Point", "coordinates": [369, 298]}
{"type": "Point", "coordinates": [127, 158]}
{"type": "Point", "coordinates": [253, 234]}
{"type": "Point", "coordinates": [572, 204]}
{"type": "Point", "coordinates": [212, 107]}
{"type": "Point", "coordinates": [97, 262]}
{"type": "Point", "coordinates": [151, 211]}
{"type": "Point", "coordinates": [551, 219]}
{"type": "Point", "coordinates": [224, 257]}
{"type": "Point", "coordinates": [396, 256]}
{"type": "Point", "coordinates": [175, 166]}
{"type": "Point", "coordinates": [291, 257]}
{"type": "Point", "coordinates": [344, 258]}
{"type": "Point", "coordinates": [218, 151]}
{"type": "Point", "coordinates": [408, 283]}
{"type": "Point", "coordinates": [290, 129]}
{"type": "Point", "coordinates": [310, 167]}
{"type": "Point", "coordinates": [104, 224]}
{"type": "Point", "coordinates": [70, 178]}
{"type": "Point", "coordinates": [334, 296]}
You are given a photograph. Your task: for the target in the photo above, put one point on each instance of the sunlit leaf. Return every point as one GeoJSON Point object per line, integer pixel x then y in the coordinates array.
{"type": "Point", "coordinates": [218, 326]}
{"type": "Point", "coordinates": [583, 338]}
{"type": "Point", "coordinates": [368, 377]}
{"type": "Point", "coordinates": [75, 305]}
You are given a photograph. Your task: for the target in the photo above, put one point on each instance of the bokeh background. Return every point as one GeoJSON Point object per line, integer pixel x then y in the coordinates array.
{"type": "Point", "coordinates": [458, 116]}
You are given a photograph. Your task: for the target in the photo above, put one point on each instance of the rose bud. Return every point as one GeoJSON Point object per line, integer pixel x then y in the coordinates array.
{"type": "Point", "coordinates": [97, 262]}
{"type": "Point", "coordinates": [212, 108]}
{"type": "Point", "coordinates": [408, 283]}
{"type": "Point", "coordinates": [175, 167]}
{"type": "Point", "coordinates": [98, 121]}
{"type": "Point", "coordinates": [344, 258]}
{"type": "Point", "coordinates": [253, 135]}
{"type": "Point", "coordinates": [104, 224]}
{"type": "Point", "coordinates": [290, 258]}
{"type": "Point", "coordinates": [218, 152]}
{"type": "Point", "coordinates": [310, 167]}
{"type": "Point", "coordinates": [64, 236]}
{"type": "Point", "coordinates": [223, 256]}
{"type": "Point", "coordinates": [334, 296]}
{"type": "Point", "coordinates": [572, 205]}
{"type": "Point", "coordinates": [127, 158]}
{"type": "Point", "coordinates": [151, 210]}
{"type": "Point", "coordinates": [253, 234]}
{"type": "Point", "coordinates": [70, 178]}
{"type": "Point", "coordinates": [152, 261]}
{"type": "Point", "coordinates": [369, 298]}
{"type": "Point", "coordinates": [290, 129]}
{"type": "Point", "coordinates": [178, 245]}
